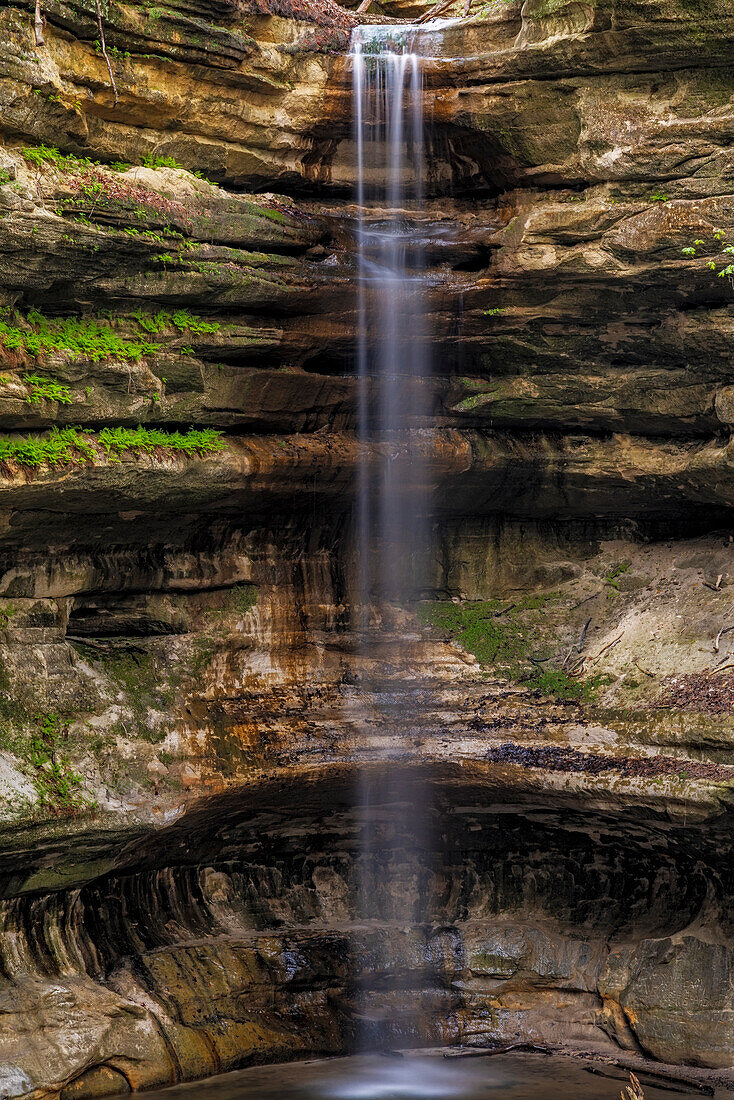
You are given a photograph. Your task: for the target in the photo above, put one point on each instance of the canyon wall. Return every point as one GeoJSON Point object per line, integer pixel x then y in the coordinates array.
{"type": "Point", "coordinates": [183, 689]}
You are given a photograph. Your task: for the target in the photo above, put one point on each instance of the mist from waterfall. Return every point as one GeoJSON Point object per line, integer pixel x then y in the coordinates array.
{"type": "Point", "coordinates": [393, 531]}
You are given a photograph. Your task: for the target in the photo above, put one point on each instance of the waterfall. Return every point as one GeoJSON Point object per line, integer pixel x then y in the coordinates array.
{"type": "Point", "coordinates": [393, 359]}
{"type": "Point", "coordinates": [393, 532]}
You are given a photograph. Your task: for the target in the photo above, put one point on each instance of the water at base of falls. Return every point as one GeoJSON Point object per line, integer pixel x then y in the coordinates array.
{"type": "Point", "coordinates": [419, 1077]}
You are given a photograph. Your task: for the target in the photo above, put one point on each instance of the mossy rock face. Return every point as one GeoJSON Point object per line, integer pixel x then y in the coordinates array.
{"type": "Point", "coordinates": [515, 640]}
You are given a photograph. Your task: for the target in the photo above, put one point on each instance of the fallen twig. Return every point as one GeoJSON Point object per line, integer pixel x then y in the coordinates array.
{"type": "Point", "coordinates": [586, 600]}
{"type": "Point", "coordinates": [489, 1052]}
{"type": "Point", "coordinates": [633, 1091]}
{"type": "Point", "coordinates": [598, 1072]}
{"type": "Point", "coordinates": [722, 668]}
{"type": "Point", "coordinates": [724, 630]}
{"type": "Point", "coordinates": [106, 647]}
{"type": "Point", "coordinates": [90, 642]}
{"type": "Point", "coordinates": [437, 9]}
{"type": "Point", "coordinates": [670, 1078]}
{"type": "Point", "coordinates": [609, 645]}
{"type": "Point", "coordinates": [504, 610]}
{"type": "Point", "coordinates": [103, 47]}
{"type": "Point", "coordinates": [643, 670]}
{"type": "Point", "coordinates": [580, 644]}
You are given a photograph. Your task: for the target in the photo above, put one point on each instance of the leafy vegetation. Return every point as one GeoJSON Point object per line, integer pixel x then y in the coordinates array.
{"type": "Point", "coordinates": [98, 195]}
{"type": "Point", "coordinates": [503, 637]}
{"type": "Point", "coordinates": [6, 614]}
{"type": "Point", "coordinates": [181, 319]}
{"type": "Point", "coordinates": [48, 156]}
{"type": "Point", "coordinates": [153, 161]}
{"type": "Point", "coordinates": [40, 741]}
{"type": "Point", "coordinates": [718, 253]}
{"type": "Point", "coordinates": [45, 389]}
{"type": "Point", "coordinates": [59, 788]}
{"type": "Point", "coordinates": [612, 578]}
{"type": "Point", "coordinates": [67, 446]}
{"type": "Point", "coordinates": [93, 339]}
{"type": "Point", "coordinates": [115, 441]}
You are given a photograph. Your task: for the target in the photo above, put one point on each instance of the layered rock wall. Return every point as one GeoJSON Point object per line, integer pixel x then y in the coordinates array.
{"type": "Point", "coordinates": [184, 685]}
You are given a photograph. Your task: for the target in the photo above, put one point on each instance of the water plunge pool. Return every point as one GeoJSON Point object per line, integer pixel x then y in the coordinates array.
{"type": "Point", "coordinates": [428, 1076]}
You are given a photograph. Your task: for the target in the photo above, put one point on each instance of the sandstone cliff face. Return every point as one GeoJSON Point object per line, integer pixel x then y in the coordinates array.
{"type": "Point", "coordinates": [181, 677]}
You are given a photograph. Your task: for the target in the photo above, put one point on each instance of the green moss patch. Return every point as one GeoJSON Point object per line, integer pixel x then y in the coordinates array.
{"type": "Point", "coordinates": [513, 639]}
{"type": "Point", "coordinates": [243, 597]}
{"type": "Point", "coordinates": [136, 672]}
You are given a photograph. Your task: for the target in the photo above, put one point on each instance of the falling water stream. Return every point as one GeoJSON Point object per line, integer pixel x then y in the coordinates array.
{"type": "Point", "coordinates": [393, 365]}
{"type": "Point", "coordinates": [393, 350]}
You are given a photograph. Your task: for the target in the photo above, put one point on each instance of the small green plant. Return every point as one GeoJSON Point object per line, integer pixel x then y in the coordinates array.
{"type": "Point", "coordinates": [611, 579]}
{"type": "Point", "coordinates": [60, 447]}
{"type": "Point", "coordinates": [494, 312]}
{"type": "Point", "coordinates": [718, 247]}
{"type": "Point", "coordinates": [40, 155]}
{"type": "Point", "coordinates": [92, 338]}
{"type": "Point", "coordinates": [115, 441]}
{"type": "Point", "coordinates": [154, 161]}
{"type": "Point", "coordinates": [658, 197]}
{"type": "Point", "coordinates": [59, 788]}
{"type": "Point", "coordinates": [6, 614]}
{"type": "Point", "coordinates": [5, 177]}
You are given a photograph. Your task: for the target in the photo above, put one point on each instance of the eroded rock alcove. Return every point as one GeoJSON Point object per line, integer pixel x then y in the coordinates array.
{"type": "Point", "coordinates": [179, 658]}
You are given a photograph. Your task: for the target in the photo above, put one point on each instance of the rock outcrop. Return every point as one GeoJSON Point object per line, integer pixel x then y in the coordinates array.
{"type": "Point", "coordinates": [183, 681]}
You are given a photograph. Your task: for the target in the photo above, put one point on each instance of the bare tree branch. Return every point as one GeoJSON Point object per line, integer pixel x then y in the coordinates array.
{"type": "Point", "coordinates": [38, 24]}
{"type": "Point", "coordinates": [104, 52]}
{"type": "Point", "coordinates": [437, 9]}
